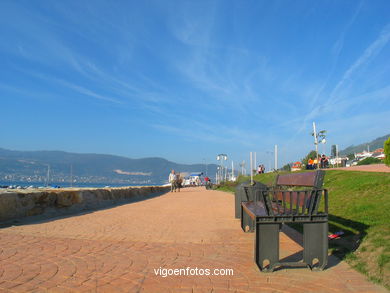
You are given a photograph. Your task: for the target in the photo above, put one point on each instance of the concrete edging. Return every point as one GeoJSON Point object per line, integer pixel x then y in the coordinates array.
{"type": "Point", "coordinates": [24, 204]}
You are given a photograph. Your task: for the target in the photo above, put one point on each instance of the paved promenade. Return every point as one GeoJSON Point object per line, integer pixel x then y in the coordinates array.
{"type": "Point", "coordinates": [367, 168]}
{"type": "Point", "coordinates": [118, 249]}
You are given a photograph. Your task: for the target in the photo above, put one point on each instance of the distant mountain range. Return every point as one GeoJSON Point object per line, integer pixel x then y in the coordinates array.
{"type": "Point", "coordinates": [373, 145]}
{"type": "Point", "coordinates": [33, 166]}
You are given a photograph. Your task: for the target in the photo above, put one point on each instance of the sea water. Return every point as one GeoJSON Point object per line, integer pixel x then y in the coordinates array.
{"type": "Point", "coordinates": [75, 184]}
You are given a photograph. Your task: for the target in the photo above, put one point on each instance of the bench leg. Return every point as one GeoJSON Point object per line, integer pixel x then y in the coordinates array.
{"type": "Point", "coordinates": [246, 220]}
{"type": "Point", "coordinates": [267, 246]}
{"type": "Point", "coordinates": [315, 244]}
{"type": "Point", "coordinates": [237, 206]}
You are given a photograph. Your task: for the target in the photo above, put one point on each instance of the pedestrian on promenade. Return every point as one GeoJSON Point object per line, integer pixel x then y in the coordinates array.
{"type": "Point", "coordinates": [178, 182]}
{"type": "Point", "coordinates": [172, 180]}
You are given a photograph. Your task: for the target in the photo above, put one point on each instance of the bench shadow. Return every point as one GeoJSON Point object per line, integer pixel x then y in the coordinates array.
{"type": "Point", "coordinates": [351, 240]}
{"type": "Point", "coordinates": [56, 214]}
{"type": "Point", "coordinates": [338, 248]}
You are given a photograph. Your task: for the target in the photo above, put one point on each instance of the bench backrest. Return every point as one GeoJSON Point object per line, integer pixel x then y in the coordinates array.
{"type": "Point", "coordinates": [293, 202]}
{"type": "Point", "coordinates": [308, 179]}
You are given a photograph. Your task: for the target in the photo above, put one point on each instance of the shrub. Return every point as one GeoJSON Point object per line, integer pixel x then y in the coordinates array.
{"type": "Point", "coordinates": [369, 161]}
{"type": "Point", "coordinates": [386, 147]}
{"type": "Point", "coordinates": [311, 155]}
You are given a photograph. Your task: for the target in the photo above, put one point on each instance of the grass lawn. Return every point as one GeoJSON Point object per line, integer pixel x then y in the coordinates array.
{"type": "Point", "coordinates": [359, 205]}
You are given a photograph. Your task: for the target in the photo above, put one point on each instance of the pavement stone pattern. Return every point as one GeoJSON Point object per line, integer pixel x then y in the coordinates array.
{"type": "Point", "coordinates": [367, 168]}
{"type": "Point", "coordinates": [117, 249]}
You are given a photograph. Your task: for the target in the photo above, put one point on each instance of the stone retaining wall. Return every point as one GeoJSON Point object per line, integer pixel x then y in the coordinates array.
{"type": "Point", "coordinates": [30, 203]}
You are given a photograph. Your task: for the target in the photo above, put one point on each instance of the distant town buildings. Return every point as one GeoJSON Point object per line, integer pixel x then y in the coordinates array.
{"type": "Point", "coordinates": [378, 153]}
{"type": "Point", "coordinates": [296, 166]}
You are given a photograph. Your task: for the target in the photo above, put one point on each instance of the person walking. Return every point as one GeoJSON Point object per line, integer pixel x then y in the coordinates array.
{"type": "Point", "coordinates": [172, 180]}
{"type": "Point", "coordinates": [178, 182]}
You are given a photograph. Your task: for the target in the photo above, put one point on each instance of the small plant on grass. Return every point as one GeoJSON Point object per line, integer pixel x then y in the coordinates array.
{"type": "Point", "coordinates": [386, 147]}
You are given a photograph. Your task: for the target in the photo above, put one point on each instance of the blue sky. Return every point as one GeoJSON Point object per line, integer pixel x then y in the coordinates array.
{"type": "Point", "coordinates": [187, 80]}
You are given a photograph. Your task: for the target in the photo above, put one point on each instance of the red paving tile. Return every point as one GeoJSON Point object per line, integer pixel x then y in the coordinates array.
{"type": "Point", "coordinates": [367, 168]}
{"type": "Point", "coordinates": [118, 249]}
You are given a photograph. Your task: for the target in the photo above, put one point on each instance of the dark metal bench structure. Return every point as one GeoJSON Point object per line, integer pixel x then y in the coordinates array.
{"type": "Point", "coordinates": [245, 192]}
{"type": "Point", "coordinates": [283, 204]}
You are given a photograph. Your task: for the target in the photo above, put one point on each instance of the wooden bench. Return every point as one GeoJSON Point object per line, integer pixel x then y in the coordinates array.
{"type": "Point", "coordinates": [283, 204]}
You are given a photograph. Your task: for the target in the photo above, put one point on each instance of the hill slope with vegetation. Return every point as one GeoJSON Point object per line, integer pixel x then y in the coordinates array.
{"type": "Point", "coordinates": [373, 145]}
{"type": "Point", "coordinates": [102, 167]}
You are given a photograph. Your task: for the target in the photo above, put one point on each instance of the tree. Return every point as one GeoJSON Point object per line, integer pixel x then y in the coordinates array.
{"type": "Point", "coordinates": [351, 156]}
{"type": "Point", "coordinates": [311, 155]}
{"type": "Point", "coordinates": [386, 147]}
{"type": "Point", "coordinates": [333, 151]}
{"type": "Point", "coordinates": [287, 167]}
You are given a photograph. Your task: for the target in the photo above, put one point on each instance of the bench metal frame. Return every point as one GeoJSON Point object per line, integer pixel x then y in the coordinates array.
{"type": "Point", "coordinates": [276, 206]}
{"type": "Point", "coordinates": [245, 192]}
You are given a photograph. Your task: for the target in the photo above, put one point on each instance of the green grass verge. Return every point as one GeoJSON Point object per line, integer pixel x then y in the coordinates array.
{"type": "Point", "coordinates": [359, 205]}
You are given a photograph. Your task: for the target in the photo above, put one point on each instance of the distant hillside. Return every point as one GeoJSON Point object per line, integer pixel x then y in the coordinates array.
{"type": "Point", "coordinates": [375, 144]}
{"type": "Point", "coordinates": [33, 165]}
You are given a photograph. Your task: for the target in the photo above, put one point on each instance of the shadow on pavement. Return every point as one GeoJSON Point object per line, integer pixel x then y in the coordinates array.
{"type": "Point", "coordinates": [338, 248]}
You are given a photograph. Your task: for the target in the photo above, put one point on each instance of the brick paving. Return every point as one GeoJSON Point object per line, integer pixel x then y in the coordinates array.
{"type": "Point", "coordinates": [367, 168]}
{"type": "Point", "coordinates": [117, 250]}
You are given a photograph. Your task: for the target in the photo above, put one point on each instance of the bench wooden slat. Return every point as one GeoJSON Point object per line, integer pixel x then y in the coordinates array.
{"type": "Point", "coordinates": [294, 197]}
{"type": "Point", "coordinates": [254, 209]}
{"type": "Point", "coordinates": [309, 179]}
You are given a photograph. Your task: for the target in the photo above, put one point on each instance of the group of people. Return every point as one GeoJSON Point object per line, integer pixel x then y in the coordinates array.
{"type": "Point", "coordinates": [323, 162]}
{"type": "Point", "coordinates": [195, 181]}
{"type": "Point", "coordinates": [176, 181]}
{"type": "Point", "coordinates": [261, 169]}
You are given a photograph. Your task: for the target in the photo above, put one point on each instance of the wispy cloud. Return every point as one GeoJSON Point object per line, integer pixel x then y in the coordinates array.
{"type": "Point", "coordinates": [331, 103]}
{"type": "Point", "coordinates": [75, 87]}
{"type": "Point", "coordinates": [339, 44]}
{"type": "Point", "coordinates": [370, 52]}
{"type": "Point", "coordinates": [220, 134]}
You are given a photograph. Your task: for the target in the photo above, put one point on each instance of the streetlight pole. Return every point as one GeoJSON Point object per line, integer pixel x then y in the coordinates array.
{"type": "Point", "coordinates": [316, 135]}
{"type": "Point", "coordinates": [221, 157]}
{"type": "Point", "coordinates": [315, 141]}
{"type": "Point", "coordinates": [276, 157]}
{"type": "Point", "coordinates": [251, 165]}
{"type": "Point", "coordinates": [232, 170]}
{"type": "Point", "coordinates": [269, 153]}
{"type": "Point", "coordinates": [242, 165]}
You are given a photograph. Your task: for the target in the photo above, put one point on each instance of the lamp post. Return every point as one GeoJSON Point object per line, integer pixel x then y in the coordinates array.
{"type": "Point", "coordinates": [318, 137]}
{"type": "Point", "coordinates": [221, 158]}
{"type": "Point", "coordinates": [269, 153]}
{"type": "Point", "coordinates": [242, 165]}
